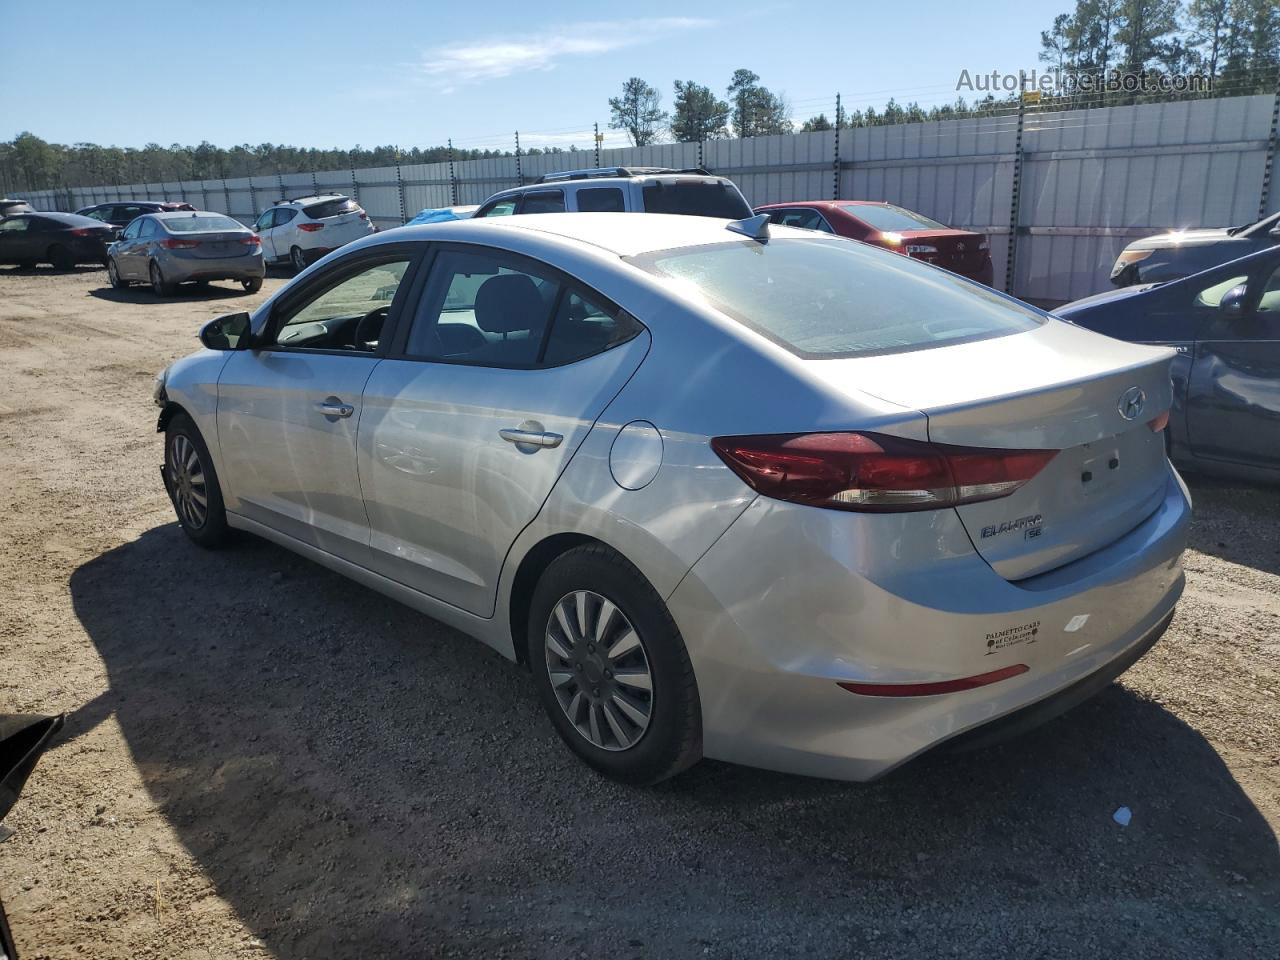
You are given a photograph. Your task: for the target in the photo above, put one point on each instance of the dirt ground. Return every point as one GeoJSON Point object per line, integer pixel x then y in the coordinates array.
{"type": "Point", "coordinates": [262, 759]}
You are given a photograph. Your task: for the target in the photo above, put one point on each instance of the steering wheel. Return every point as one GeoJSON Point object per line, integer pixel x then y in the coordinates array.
{"type": "Point", "coordinates": [369, 328]}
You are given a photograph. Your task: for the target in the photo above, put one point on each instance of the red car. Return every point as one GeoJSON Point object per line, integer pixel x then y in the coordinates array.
{"type": "Point", "coordinates": [894, 228]}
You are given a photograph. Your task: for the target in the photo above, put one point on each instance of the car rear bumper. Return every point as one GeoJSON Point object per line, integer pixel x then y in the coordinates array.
{"type": "Point", "coordinates": [183, 269]}
{"type": "Point", "coordinates": [864, 598]}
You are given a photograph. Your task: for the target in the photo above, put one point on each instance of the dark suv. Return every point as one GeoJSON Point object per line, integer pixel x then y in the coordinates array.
{"type": "Point", "coordinates": [123, 212]}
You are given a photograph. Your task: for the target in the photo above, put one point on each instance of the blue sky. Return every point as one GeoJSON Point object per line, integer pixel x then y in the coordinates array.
{"type": "Point", "coordinates": [338, 74]}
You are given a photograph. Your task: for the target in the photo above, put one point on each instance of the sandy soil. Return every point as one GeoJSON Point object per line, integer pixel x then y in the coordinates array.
{"type": "Point", "coordinates": [262, 759]}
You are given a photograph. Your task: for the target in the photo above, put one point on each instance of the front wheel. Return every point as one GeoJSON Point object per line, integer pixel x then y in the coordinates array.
{"type": "Point", "coordinates": [297, 259]}
{"type": "Point", "coordinates": [193, 484]}
{"type": "Point", "coordinates": [611, 668]}
{"type": "Point", "coordinates": [113, 274]}
{"type": "Point", "coordinates": [159, 285]}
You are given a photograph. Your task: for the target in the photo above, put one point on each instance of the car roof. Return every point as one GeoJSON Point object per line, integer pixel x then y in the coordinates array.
{"type": "Point", "coordinates": [308, 201]}
{"type": "Point", "coordinates": [623, 234]}
{"type": "Point", "coordinates": [163, 215]}
{"type": "Point", "coordinates": [586, 183]}
{"type": "Point", "coordinates": [74, 219]}
{"type": "Point", "coordinates": [825, 203]}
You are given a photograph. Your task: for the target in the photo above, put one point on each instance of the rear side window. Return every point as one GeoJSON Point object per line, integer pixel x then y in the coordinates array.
{"type": "Point", "coordinates": [804, 217]}
{"type": "Point", "coordinates": [331, 208]}
{"type": "Point", "coordinates": [583, 328]}
{"type": "Point", "coordinates": [601, 200]}
{"type": "Point", "coordinates": [698, 198]}
{"type": "Point", "coordinates": [545, 201]}
{"type": "Point", "coordinates": [200, 224]}
{"type": "Point", "coordinates": [832, 298]}
{"type": "Point", "coordinates": [284, 215]}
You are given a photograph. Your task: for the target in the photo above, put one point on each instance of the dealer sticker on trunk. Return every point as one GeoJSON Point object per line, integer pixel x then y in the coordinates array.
{"type": "Point", "coordinates": [1012, 636]}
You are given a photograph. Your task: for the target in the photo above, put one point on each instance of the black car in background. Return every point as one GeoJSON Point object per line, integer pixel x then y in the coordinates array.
{"type": "Point", "coordinates": [1180, 253]}
{"type": "Point", "coordinates": [62, 239]}
{"type": "Point", "coordinates": [123, 212]}
{"type": "Point", "coordinates": [1224, 324]}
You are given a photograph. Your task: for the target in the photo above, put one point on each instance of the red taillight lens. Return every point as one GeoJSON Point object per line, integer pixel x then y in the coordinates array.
{"type": "Point", "coordinates": [311, 227]}
{"type": "Point", "coordinates": [934, 688]}
{"type": "Point", "coordinates": [875, 473]}
{"type": "Point", "coordinates": [179, 243]}
{"type": "Point", "coordinates": [1159, 423]}
{"type": "Point", "coordinates": [252, 240]}
{"type": "Point", "coordinates": [85, 231]}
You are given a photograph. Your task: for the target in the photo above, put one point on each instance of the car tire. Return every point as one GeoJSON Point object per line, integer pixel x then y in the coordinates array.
{"type": "Point", "coordinates": [252, 284]}
{"type": "Point", "coordinates": [617, 727]}
{"type": "Point", "coordinates": [61, 258]}
{"type": "Point", "coordinates": [113, 274]}
{"type": "Point", "coordinates": [189, 475]}
{"type": "Point", "coordinates": [297, 259]}
{"type": "Point", "coordinates": [159, 285]}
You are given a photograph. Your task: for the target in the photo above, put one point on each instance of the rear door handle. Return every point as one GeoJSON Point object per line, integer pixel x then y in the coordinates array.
{"type": "Point", "coordinates": [333, 407]}
{"type": "Point", "coordinates": [531, 438]}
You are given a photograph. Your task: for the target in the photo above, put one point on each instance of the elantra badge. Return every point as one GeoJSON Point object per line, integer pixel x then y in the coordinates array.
{"type": "Point", "coordinates": [1131, 403]}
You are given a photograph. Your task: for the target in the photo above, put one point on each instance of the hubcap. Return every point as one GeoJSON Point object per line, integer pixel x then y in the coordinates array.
{"type": "Point", "coordinates": [156, 279]}
{"type": "Point", "coordinates": [299, 260]}
{"type": "Point", "coordinates": [186, 476]}
{"type": "Point", "coordinates": [112, 275]}
{"type": "Point", "coordinates": [599, 670]}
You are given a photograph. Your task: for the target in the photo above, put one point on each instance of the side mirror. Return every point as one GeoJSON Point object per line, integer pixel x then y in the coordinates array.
{"type": "Point", "coordinates": [1232, 304]}
{"type": "Point", "coordinates": [231, 332]}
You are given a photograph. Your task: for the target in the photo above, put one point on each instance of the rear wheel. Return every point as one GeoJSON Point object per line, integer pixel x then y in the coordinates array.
{"type": "Point", "coordinates": [612, 669]}
{"type": "Point", "coordinates": [61, 257]}
{"type": "Point", "coordinates": [297, 259]}
{"type": "Point", "coordinates": [113, 274]}
{"type": "Point", "coordinates": [159, 286]}
{"type": "Point", "coordinates": [251, 284]}
{"type": "Point", "coordinates": [193, 484]}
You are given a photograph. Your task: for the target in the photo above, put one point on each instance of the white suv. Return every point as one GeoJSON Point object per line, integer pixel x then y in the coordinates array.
{"type": "Point", "coordinates": [303, 230]}
{"type": "Point", "coordinates": [623, 190]}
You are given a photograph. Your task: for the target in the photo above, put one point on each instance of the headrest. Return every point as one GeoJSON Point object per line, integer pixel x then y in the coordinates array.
{"type": "Point", "coordinates": [509, 302]}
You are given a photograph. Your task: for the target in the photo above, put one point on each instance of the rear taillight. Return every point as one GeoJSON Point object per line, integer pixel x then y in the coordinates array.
{"type": "Point", "coordinates": [251, 240]}
{"type": "Point", "coordinates": [88, 231]}
{"type": "Point", "coordinates": [873, 472]}
{"type": "Point", "coordinates": [311, 227]}
{"type": "Point", "coordinates": [179, 243]}
{"type": "Point", "coordinates": [1159, 423]}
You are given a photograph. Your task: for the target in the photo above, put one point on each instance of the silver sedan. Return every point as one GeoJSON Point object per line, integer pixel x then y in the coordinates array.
{"type": "Point", "coordinates": [725, 489]}
{"type": "Point", "coordinates": [166, 249]}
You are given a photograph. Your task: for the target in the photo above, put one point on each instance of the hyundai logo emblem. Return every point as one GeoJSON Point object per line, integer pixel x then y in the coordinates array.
{"type": "Point", "coordinates": [960, 247]}
{"type": "Point", "coordinates": [1131, 403]}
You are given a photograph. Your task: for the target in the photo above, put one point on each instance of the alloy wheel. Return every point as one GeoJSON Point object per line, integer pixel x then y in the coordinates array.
{"type": "Point", "coordinates": [299, 260]}
{"type": "Point", "coordinates": [599, 670]}
{"type": "Point", "coordinates": [187, 480]}
{"type": "Point", "coordinates": [113, 275]}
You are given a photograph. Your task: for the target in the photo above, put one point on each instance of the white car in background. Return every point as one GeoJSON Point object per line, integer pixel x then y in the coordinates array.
{"type": "Point", "coordinates": [301, 231]}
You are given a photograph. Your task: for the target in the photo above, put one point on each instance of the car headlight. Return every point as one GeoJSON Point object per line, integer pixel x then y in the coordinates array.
{"type": "Point", "coordinates": [1132, 256]}
{"type": "Point", "coordinates": [157, 387]}
{"type": "Point", "coordinates": [918, 248]}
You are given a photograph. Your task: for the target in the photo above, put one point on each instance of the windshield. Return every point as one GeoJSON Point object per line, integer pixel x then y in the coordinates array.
{"type": "Point", "coordinates": [199, 224]}
{"type": "Point", "coordinates": [890, 217]}
{"type": "Point", "coordinates": [838, 298]}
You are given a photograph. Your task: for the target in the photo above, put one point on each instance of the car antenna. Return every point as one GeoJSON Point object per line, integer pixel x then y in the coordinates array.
{"type": "Point", "coordinates": [757, 227]}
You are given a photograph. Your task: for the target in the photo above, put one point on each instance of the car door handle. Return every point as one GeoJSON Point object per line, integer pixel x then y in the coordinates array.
{"type": "Point", "coordinates": [531, 438]}
{"type": "Point", "coordinates": [335, 408]}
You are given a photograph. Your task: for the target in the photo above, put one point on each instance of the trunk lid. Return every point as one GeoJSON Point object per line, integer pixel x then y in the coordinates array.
{"type": "Point", "coordinates": [1058, 387]}
{"type": "Point", "coordinates": [218, 245]}
{"type": "Point", "coordinates": [958, 250]}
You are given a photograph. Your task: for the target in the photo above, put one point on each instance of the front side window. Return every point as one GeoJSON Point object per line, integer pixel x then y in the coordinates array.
{"type": "Point", "coordinates": [264, 221]}
{"type": "Point", "coordinates": [601, 200]}
{"type": "Point", "coordinates": [348, 315]}
{"type": "Point", "coordinates": [102, 213]}
{"type": "Point", "coordinates": [544, 201]}
{"type": "Point", "coordinates": [132, 230]}
{"type": "Point", "coordinates": [1211, 296]}
{"type": "Point", "coordinates": [825, 298]}
{"type": "Point", "coordinates": [14, 224]}
{"type": "Point", "coordinates": [1270, 302]}
{"type": "Point", "coordinates": [499, 208]}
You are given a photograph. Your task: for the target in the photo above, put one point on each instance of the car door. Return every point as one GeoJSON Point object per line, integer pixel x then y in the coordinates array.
{"type": "Point", "coordinates": [494, 383]}
{"type": "Point", "coordinates": [263, 226]}
{"type": "Point", "coordinates": [125, 251]}
{"type": "Point", "coordinates": [289, 409]}
{"type": "Point", "coordinates": [1233, 398]}
{"type": "Point", "coordinates": [15, 239]}
{"type": "Point", "coordinates": [284, 231]}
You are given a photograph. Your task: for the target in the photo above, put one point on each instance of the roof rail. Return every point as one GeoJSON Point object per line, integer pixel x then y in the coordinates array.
{"type": "Point", "coordinates": [591, 173]}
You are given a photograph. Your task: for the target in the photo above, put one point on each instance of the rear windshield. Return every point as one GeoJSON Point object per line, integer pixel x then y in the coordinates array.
{"type": "Point", "coordinates": [331, 208]}
{"type": "Point", "coordinates": [698, 198]}
{"type": "Point", "coordinates": [890, 217]}
{"type": "Point", "coordinates": [199, 224]}
{"type": "Point", "coordinates": [839, 298]}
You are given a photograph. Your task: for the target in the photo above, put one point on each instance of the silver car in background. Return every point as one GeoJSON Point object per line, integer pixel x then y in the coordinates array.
{"type": "Point", "coordinates": [728, 490]}
{"type": "Point", "coordinates": [166, 249]}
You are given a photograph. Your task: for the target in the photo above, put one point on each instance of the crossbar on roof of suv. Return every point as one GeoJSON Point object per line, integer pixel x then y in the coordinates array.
{"type": "Point", "coordinates": [593, 172]}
